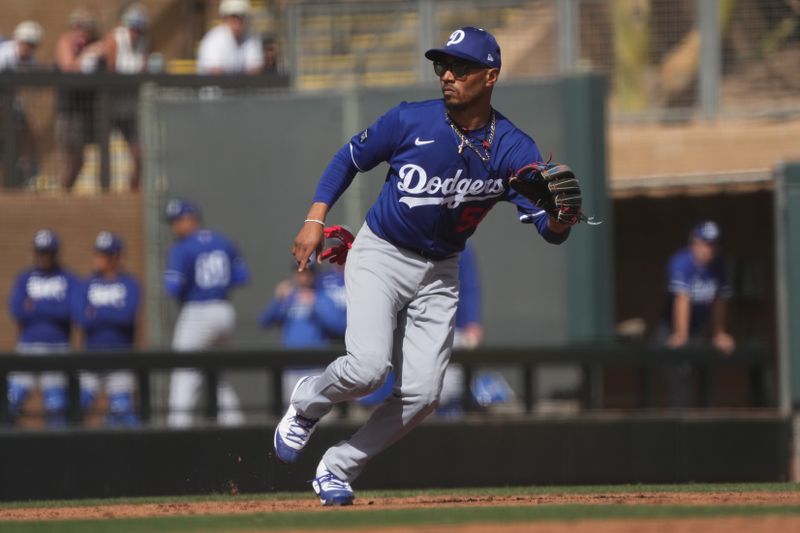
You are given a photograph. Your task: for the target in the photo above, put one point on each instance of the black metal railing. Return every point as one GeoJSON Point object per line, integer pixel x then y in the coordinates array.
{"type": "Point", "coordinates": [592, 359]}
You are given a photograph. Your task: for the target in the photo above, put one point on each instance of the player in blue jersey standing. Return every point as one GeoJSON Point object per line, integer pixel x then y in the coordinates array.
{"type": "Point", "coordinates": [106, 308]}
{"type": "Point", "coordinates": [40, 302]}
{"type": "Point", "coordinates": [450, 160]}
{"type": "Point", "coordinates": [697, 294]}
{"type": "Point", "coordinates": [202, 269]}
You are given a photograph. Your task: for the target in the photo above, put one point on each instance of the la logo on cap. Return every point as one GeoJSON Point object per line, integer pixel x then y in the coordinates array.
{"type": "Point", "coordinates": [456, 37]}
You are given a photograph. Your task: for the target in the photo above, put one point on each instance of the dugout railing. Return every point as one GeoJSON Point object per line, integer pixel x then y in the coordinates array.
{"type": "Point", "coordinates": [35, 95]}
{"type": "Point", "coordinates": [756, 361]}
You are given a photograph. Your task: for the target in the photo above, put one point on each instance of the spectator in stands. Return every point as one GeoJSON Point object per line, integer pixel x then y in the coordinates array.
{"type": "Point", "coordinates": [106, 307]}
{"type": "Point", "coordinates": [77, 50]}
{"type": "Point", "coordinates": [229, 48]}
{"type": "Point", "coordinates": [18, 54]}
{"type": "Point", "coordinates": [697, 293]}
{"type": "Point", "coordinates": [125, 51]}
{"type": "Point", "coordinates": [269, 47]}
{"type": "Point", "coordinates": [40, 302]}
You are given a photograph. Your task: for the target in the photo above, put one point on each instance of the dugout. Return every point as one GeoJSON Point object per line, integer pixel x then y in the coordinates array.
{"type": "Point", "coordinates": [653, 217]}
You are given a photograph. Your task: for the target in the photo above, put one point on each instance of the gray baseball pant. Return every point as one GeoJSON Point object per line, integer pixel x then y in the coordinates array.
{"type": "Point", "coordinates": [400, 313]}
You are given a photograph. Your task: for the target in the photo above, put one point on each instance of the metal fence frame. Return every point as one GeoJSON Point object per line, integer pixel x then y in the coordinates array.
{"type": "Point", "coordinates": [592, 359]}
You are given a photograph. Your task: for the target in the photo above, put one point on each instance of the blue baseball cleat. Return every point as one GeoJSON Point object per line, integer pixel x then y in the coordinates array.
{"type": "Point", "coordinates": [331, 489]}
{"type": "Point", "coordinates": [293, 431]}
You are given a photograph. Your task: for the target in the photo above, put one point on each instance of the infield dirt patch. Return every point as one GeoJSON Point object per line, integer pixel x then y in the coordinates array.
{"type": "Point", "coordinates": [242, 505]}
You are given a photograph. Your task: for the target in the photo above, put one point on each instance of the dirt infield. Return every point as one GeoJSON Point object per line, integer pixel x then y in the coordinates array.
{"type": "Point", "coordinates": [242, 505]}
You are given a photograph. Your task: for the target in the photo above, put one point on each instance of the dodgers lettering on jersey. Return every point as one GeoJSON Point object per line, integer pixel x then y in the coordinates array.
{"type": "Point", "coordinates": [204, 266]}
{"type": "Point", "coordinates": [702, 283]}
{"type": "Point", "coordinates": [434, 198]}
{"type": "Point", "coordinates": [106, 310]}
{"type": "Point", "coordinates": [40, 303]}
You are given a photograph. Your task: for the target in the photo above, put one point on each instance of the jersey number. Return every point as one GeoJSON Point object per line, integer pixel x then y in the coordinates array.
{"type": "Point", "coordinates": [471, 217]}
{"type": "Point", "coordinates": [212, 269]}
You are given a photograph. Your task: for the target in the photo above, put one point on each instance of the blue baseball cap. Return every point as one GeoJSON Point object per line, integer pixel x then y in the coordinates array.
{"type": "Point", "coordinates": [471, 44]}
{"type": "Point", "coordinates": [46, 240]}
{"type": "Point", "coordinates": [706, 230]}
{"type": "Point", "coordinates": [177, 208]}
{"type": "Point", "coordinates": [107, 243]}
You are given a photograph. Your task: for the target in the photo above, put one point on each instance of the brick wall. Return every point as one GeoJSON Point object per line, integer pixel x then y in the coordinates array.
{"type": "Point", "coordinates": [77, 220]}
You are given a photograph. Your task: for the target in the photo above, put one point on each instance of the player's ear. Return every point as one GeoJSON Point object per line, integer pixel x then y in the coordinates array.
{"type": "Point", "coordinates": [491, 76]}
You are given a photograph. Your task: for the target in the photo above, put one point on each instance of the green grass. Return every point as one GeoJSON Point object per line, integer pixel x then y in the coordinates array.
{"type": "Point", "coordinates": [346, 520]}
{"type": "Point", "coordinates": [367, 494]}
{"type": "Point", "coordinates": [369, 518]}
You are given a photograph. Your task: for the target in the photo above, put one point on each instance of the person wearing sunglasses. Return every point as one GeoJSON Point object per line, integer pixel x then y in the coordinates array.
{"type": "Point", "coordinates": [449, 162]}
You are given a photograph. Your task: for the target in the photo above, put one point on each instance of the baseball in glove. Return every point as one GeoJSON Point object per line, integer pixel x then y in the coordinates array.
{"type": "Point", "coordinates": [553, 188]}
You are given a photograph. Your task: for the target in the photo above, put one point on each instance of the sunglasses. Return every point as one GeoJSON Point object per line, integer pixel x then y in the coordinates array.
{"type": "Point", "coordinates": [458, 68]}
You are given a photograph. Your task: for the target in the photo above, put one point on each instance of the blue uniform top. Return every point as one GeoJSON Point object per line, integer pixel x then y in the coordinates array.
{"type": "Point", "coordinates": [332, 304]}
{"type": "Point", "coordinates": [703, 284]}
{"type": "Point", "coordinates": [433, 197]}
{"type": "Point", "coordinates": [306, 322]}
{"type": "Point", "coordinates": [469, 294]}
{"type": "Point", "coordinates": [41, 302]}
{"type": "Point", "coordinates": [106, 310]}
{"type": "Point", "coordinates": [203, 266]}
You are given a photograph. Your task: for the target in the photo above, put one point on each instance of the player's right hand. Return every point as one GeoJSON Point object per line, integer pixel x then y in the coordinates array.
{"type": "Point", "coordinates": [309, 240]}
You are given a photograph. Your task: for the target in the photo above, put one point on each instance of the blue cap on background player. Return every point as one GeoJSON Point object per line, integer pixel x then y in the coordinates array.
{"type": "Point", "coordinates": [471, 44]}
{"type": "Point", "coordinates": [177, 208]}
{"type": "Point", "coordinates": [107, 243]}
{"type": "Point", "coordinates": [45, 240]}
{"type": "Point", "coordinates": [706, 230]}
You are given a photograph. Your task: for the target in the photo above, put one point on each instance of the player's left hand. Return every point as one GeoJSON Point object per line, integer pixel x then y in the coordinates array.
{"type": "Point", "coordinates": [338, 254]}
{"type": "Point", "coordinates": [553, 188]}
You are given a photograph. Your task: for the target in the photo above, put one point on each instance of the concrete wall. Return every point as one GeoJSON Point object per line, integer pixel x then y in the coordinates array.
{"type": "Point", "coordinates": [253, 161]}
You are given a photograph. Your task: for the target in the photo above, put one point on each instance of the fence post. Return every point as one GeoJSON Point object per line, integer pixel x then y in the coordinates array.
{"type": "Point", "coordinates": [8, 135]}
{"type": "Point", "coordinates": [103, 126]}
{"type": "Point", "coordinates": [709, 70]}
{"type": "Point", "coordinates": [568, 35]}
{"type": "Point", "coordinates": [426, 38]}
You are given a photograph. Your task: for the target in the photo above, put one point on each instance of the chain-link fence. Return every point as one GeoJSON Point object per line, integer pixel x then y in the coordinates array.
{"type": "Point", "coordinates": [663, 57]}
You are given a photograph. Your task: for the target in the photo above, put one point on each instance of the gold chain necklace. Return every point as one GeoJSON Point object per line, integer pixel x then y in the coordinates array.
{"type": "Point", "coordinates": [486, 143]}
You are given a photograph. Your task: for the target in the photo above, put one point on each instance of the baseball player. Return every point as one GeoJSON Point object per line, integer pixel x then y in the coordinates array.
{"type": "Point", "coordinates": [202, 268]}
{"type": "Point", "coordinates": [697, 294]}
{"type": "Point", "coordinates": [450, 160]}
{"type": "Point", "coordinates": [105, 308]}
{"type": "Point", "coordinates": [40, 303]}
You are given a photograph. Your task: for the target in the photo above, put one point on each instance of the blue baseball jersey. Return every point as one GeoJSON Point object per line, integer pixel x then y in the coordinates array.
{"type": "Point", "coordinates": [332, 303]}
{"type": "Point", "coordinates": [41, 303]}
{"type": "Point", "coordinates": [203, 266]}
{"type": "Point", "coordinates": [469, 294]}
{"type": "Point", "coordinates": [306, 322]}
{"type": "Point", "coordinates": [434, 197]}
{"type": "Point", "coordinates": [702, 283]}
{"type": "Point", "coordinates": [106, 309]}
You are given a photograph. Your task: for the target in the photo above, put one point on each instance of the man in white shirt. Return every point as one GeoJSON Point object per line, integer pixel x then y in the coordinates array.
{"type": "Point", "coordinates": [17, 54]}
{"type": "Point", "coordinates": [228, 48]}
